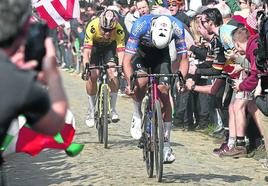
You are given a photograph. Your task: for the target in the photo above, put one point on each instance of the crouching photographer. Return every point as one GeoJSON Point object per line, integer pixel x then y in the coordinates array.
{"type": "Point", "coordinates": [21, 91]}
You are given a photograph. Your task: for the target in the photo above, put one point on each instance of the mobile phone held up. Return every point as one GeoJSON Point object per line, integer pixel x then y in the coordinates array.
{"type": "Point", "coordinates": [35, 46]}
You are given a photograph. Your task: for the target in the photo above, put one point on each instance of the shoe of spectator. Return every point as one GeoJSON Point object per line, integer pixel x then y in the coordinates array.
{"type": "Point", "coordinates": [115, 117]}
{"type": "Point", "coordinates": [71, 70]}
{"type": "Point", "coordinates": [121, 93]}
{"type": "Point", "coordinates": [235, 152]}
{"type": "Point", "coordinates": [169, 156]}
{"type": "Point", "coordinates": [135, 129]}
{"type": "Point", "coordinates": [63, 65]}
{"type": "Point", "coordinates": [218, 151]}
{"type": "Point", "coordinates": [90, 120]}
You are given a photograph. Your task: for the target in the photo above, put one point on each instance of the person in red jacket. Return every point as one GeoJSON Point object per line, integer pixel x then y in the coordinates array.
{"type": "Point", "coordinates": [242, 98]}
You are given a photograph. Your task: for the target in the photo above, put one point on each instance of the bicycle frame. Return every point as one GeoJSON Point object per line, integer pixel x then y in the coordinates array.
{"type": "Point", "coordinates": [153, 125]}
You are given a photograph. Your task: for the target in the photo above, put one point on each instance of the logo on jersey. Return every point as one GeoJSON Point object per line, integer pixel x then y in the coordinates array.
{"type": "Point", "coordinates": [120, 32]}
{"type": "Point", "coordinates": [92, 29]}
{"type": "Point", "coordinates": [138, 28]}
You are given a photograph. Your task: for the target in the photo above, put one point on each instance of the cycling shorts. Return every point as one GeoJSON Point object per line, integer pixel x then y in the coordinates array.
{"type": "Point", "coordinates": [156, 59]}
{"type": "Point", "coordinates": [106, 53]}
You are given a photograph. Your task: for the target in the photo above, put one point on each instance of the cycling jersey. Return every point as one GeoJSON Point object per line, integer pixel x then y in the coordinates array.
{"type": "Point", "coordinates": [140, 34]}
{"type": "Point", "coordinates": [95, 37]}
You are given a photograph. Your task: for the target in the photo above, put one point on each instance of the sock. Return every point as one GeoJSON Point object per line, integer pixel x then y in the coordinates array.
{"type": "Point", "coordinates": [167, 131]}
{"type": "Point", "coordinates": [231, 142]}
{"type": "Point", "coordinates": [240, 141]}
{"type": "Point", "coordinates": [137, 109]}
{"type": "Point", "coordinates": [113, 100]}
{"type": "Point", "coordinates": [91, 104]}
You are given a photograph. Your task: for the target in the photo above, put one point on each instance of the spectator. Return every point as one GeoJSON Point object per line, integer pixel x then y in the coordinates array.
{"type": "Point", "coordinates": [175, 8]}
{"type": "Point", "coordinates": [44, 109]}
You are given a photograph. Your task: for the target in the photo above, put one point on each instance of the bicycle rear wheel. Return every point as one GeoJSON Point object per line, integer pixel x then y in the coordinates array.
{"type": "Point", "coordinates": [158, 140]}
{"type": "Point", "coordinates": [105, 111]}
{"type": "Point", "coordinates": [148, 154]}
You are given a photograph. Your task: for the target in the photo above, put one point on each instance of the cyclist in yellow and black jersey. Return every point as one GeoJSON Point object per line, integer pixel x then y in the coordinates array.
{"type": "Point", "coordinates": [104, 40]}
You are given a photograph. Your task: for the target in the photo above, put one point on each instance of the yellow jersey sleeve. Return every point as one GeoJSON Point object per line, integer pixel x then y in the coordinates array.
{"type": "Point", "coordinates": [120, 38]}
{"type": "Point", "coordinates": [90, 33]}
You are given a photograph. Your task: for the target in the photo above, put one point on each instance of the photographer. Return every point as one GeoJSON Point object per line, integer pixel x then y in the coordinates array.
{"type": "Point", "coordinates": [21, 92]}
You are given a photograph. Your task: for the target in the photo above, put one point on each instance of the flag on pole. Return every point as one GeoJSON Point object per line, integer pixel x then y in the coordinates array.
{"type": "Point", "coordinates": [57, 12]}
{"type": "Point", "coordinates": [22, 139]}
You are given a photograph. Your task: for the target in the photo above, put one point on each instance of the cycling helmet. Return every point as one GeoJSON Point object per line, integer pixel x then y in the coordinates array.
{"type": "Point", "coordinates": [161, 32]}
{"type": "Point", "coordinates": [108, 20]}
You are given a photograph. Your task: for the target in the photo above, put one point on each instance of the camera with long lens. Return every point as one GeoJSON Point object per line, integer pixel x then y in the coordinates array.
{"type": "Point", "coordinates": [35, 46]}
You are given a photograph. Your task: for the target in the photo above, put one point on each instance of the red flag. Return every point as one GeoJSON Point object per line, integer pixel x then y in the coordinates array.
{"type": "Point", "coordinates": [57, 12]}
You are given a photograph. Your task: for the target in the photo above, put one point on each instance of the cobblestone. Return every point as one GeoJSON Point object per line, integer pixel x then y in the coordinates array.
{"type": "Point", "coordinates": [122, 163]}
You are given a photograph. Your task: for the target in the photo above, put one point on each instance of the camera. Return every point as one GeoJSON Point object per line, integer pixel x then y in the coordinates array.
{"type": "Point", "coordinates": [35, 46]}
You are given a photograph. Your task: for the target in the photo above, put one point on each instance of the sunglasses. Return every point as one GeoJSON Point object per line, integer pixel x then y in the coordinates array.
{"type": "Point", "coordinates": [107, 30]}
{"type": "Point", "coordinates": [173, 5]}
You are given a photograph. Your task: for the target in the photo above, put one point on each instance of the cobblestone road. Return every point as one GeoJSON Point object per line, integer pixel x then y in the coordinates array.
{"type": "Point", "coordinates": [122, 163]}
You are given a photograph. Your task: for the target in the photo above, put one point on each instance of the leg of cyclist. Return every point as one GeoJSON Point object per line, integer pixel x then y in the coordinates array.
{"type": "Point", "coordinates": [91, 87]}
{"type": "Point", "coordinates": [164, 86]}
{"type": "Point", "coordinates": [138, 66]}
{"type": "Point", "coordinates": [111, 59]}
{"type": "Point", "coordinates": [114, 85]}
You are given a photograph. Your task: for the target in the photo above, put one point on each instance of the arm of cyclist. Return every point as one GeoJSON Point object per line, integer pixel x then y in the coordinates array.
{"type": "Point", "coordinates": [128, 71]}
{"type": "Point", "coordinates": [139, 28]}
{"type": "Point", "coordinates": [88, 45]}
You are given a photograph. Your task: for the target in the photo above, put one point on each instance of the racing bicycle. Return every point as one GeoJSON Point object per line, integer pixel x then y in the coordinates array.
{"type": "Point", "coordinates": [102, 113]}
{"type": "Point", "coordinates": [153, 130]}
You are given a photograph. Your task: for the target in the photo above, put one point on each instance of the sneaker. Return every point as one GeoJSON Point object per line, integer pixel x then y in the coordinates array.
{"type": "Point", "coordinates": [169, 157]}
{"type": "Point", "coordinates": [71, 70]}
{"type": "Point", "coordinates": [90, 121]}
{"type": "Point", "coordinates": [235, 152]}
{"type": "Point", "coordinates": [115, 117]}
{"type": "Point", "coordinates": [223, 148]}
{"type": "Point", "coordinates": [135, 129]}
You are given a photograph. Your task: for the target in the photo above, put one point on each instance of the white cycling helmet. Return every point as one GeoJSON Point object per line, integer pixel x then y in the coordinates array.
{"type": "Point", "coordinates": [161, 31]}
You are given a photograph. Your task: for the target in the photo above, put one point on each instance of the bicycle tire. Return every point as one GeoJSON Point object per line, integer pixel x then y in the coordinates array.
{"type": "Point", "coordinates": [158, 140]}
{"type": "Point", "coordinates": [98, 121]}
{"type": "Point", "coordinates": [105, 111]}
{"type": "Point", "coordinates": [148, 154]}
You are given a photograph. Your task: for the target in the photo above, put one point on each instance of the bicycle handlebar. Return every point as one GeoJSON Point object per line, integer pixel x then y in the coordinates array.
{"type": "Point", "coordinates": [87, 69]}
{"type": "Point", "coordinates": [136, 76]}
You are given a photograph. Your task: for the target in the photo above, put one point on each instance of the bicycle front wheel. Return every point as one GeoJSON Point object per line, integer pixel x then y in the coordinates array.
{"type": "Point", "coordinates": [148, 153]}
{"type": "Point", "coordinates": [158, 140]}
{"type": "Point", "coordinates": [105, 110]}
{"type": "Point", "coordinates": [98, 120]}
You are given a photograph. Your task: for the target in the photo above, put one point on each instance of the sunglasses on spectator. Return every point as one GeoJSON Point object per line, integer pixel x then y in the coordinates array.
{"type": "Point", "coordinates": [240, 2]}
{"type": "Point", "coordinates": [173, 5]}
